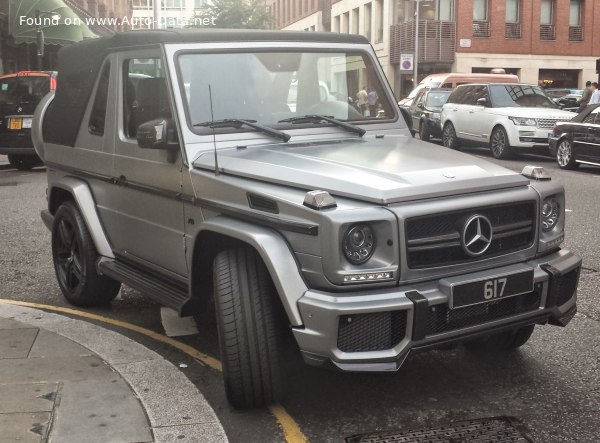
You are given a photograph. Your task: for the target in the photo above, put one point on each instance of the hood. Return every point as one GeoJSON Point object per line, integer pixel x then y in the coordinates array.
{"type": "Point", "coordinates": [549, 113]}
{"type": "Point", "coordinates": [388, 170]}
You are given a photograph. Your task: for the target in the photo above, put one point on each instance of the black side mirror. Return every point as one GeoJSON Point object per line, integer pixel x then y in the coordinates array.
{"type": "Point", "coordinates": [159, 134]}
{"type": "Point", "coordinates": [482, 101]}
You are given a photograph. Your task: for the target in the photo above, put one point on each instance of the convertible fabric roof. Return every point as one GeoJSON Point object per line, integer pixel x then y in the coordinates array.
{"type": "Point", "coordinates": [79, 65]}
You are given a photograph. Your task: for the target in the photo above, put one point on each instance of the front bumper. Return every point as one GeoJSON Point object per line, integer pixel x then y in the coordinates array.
{"type": "Point", "coordinates": [529, 137]}
{"type": "Point", "coordinates": [418, 316]}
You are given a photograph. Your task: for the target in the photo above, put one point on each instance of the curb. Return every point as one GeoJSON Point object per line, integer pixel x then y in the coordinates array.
{"type": "Point", "coordinates": [173, 404]}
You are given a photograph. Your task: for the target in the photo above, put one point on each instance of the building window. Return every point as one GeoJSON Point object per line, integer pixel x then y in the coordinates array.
{"type": "Point", "coordinates": [481, 25]}
{"type": "Point", "coordinates": [480, 11]}
{"type": "Point", "coordinates": [199, 4]}
{"type": "Point", "coordinates": [367, 18]}
{"type": "Point", "coordinates": [354, 28]}
{"type": "Point", "coordinates": [445, 10]}
{"type": "Point", "coordinates": [379, 21]}
{"type": "Point", "coordinates": [512, 27]}
{"type": "Point", "coordinates": [547, 20]}
{"type": "Point", "coordinates": [173, 4]}
{"type": "Point", "coordinates": [141, 4]}
{"type": "Point", "coordinates": [575, 28]}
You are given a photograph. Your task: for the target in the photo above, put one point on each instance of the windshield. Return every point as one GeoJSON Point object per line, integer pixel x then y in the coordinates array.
{"type": "Point", "coordinates": [437, 99]}
{"type": "Point", "coordinates": [427, 83]}
{"type": "Point", "coordinates": [20, 90]}
{"type": "Point", "coordinates": [520, 95]}
{"type": "Point", "coordinates": [268, 87]}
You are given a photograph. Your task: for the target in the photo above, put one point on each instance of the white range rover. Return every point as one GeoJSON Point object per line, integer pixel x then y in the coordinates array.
{"type": "Point", "coordinates": [508, 117]}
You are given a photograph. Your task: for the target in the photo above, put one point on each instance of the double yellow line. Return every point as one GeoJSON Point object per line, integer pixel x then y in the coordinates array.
{"type": "Point", "coordinates": [288, 425]}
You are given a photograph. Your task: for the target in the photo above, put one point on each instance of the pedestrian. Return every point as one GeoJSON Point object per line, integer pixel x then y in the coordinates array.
{"type": "Point", "coordinates": [363, 100]}
{"type": "Point", "coordinates": [372, 97]}
{"type": "Point", "coordinates": [585, 98]}
{"type": "Point", "coordinates": [595, 98]}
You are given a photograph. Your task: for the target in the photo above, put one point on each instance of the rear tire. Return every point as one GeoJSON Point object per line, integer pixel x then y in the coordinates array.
{"type": "Point", "coordinates": [23, 162]}
{"type": "Point", "coordinates": [249, 332]}
{"type": "Point", "coordinates": [503, 341]}
{"type": "Point", "coordinates": [449, 138]}
{"type": "Point", "coordinates": [499, 144]}
{"type": "Point", "coordinates": [75, 258]}
{"type": "Point", "coordinates": [565, 156]}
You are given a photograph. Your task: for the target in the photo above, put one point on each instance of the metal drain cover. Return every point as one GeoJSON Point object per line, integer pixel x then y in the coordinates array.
{"type": "Point", "coordinates": [484, 430]}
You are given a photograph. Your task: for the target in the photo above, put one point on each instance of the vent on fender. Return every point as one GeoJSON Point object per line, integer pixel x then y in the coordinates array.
{"type": "Point", "coordinates": [262, 204]}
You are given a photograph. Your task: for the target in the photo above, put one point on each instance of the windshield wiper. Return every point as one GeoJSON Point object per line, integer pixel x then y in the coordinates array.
{"type": "Point", "coordinates": [238, 122]}
{"type": "Point", "coordinates": [314, 118]}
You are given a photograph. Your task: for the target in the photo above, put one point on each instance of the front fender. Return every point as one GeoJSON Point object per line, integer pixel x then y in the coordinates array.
{"type": "Point", "coordinates": [275, 253]}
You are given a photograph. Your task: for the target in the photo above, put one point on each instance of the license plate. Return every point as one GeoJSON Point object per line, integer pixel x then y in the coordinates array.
{"type": "Point", "coordinates": [27, 122]}
{"type": "Point", "coordinates": [15, 123]}
{"type": "Point", "coordinates": [490, 289]}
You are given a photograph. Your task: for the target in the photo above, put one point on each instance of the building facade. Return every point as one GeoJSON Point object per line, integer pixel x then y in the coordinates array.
{"type": "Point", "coordinates": [553, 43]}
{"type": "Point", "coordinates": [170, 13]}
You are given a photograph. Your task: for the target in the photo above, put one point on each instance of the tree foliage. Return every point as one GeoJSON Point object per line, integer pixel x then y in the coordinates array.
{"type": "Point", "coordinates": [241, 14]}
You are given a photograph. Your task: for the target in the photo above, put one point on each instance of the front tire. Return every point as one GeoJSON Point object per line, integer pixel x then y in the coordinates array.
{"type": "Point", "coordinates": [502, 341]}
{"type": "Point", "coordinates": [75, 259]}
{"type": "Point", "coordinates": [564, 155]}
{"type": "Point", "coordinates": [449, 138]}
{"type": "Point", "coordinates": [249, 331]}
{"type": "Point", "coordinates": [499, 144]}
{"type": "Point", "coordinates": [424, 131]}
{"type": "Point", "coordinates": [23, 162]}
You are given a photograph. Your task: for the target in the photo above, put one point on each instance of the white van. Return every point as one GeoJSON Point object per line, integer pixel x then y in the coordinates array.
{"type": "Point", "coordinates": [453, 79]}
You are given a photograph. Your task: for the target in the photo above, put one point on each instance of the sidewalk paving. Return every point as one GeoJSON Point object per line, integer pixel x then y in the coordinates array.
{"type": "Point", "coordinates": [67, 380]}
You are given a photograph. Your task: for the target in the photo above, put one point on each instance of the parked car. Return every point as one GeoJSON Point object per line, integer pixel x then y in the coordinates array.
{"type": "Point", "coordinates": [569, 102]}
{"type": "Point", "coordinates": [338, 230]}
{"type": "Point", "coordinates": [507, 117]}
{"type": "Point", "coordinates": [577, 141]}
{"type": "Point", "coordinates": [425, 112]}
{"type": "Point", "coordinates": [19, 95]}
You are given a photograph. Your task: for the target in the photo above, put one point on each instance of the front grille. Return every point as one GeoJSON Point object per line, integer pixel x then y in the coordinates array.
{"type": "Point", "coordinates": [442, 319]}
{"type": "Point", "coordinates": [371, 332]}
{"type": "Point", "coordinates": [567, 285]}
{"type": "Point", "coordinates": [435, 240]}
{"type": "Point", "coordinates": [549, 123]}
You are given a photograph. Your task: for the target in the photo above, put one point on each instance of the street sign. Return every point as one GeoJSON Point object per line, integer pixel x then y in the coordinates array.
{"type": "Point", "coordinates": [406, 62]}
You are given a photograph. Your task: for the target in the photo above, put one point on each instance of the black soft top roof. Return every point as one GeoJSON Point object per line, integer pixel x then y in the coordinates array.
{"type": "Point", "coordinates": [79, 64]}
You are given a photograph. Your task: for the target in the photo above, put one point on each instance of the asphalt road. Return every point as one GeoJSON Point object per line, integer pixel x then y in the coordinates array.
{"type": "Point", "coordinates": [551, 385]}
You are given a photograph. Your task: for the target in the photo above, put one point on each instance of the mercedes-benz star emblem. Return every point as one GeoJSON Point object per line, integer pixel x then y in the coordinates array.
{"type": "Point", "coordinates": [19, 109]}
{"type": "Point", "coordinates": [477, 235]}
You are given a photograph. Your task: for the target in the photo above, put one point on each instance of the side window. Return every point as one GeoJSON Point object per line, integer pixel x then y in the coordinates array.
{"type": "Point", "coordinates": [447, 85]}
{"type": "Point", "coordinates": [145, 94]}
{"type": "Point", "coordinates": [592, 118]}
{"type": "Point", "coordinates": [98, 114]}
{"type": "Point", "coordinates": [455, 96]}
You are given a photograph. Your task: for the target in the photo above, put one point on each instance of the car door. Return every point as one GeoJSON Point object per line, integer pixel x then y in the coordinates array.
{"type": "Point", "coordinates": [588, 147]}
{"type": "Point", "coordinates": [147, 206]}
{"type": "Point", "coordinates": [465, 113]}
{"type": "Point", "coordinates": [416, 109]}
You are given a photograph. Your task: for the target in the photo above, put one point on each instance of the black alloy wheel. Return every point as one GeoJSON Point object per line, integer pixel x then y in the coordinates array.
{"type": "Point", "coordinates": [75, 258]}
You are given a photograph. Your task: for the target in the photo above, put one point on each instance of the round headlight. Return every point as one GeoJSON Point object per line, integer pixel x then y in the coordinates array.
{"type": "Point", "coordinates": [550, 213]}
{"type": "Point", "coordinates": [359, 244]}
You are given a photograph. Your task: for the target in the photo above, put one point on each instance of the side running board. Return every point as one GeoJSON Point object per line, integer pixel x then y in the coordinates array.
{"type": "Point", "coordinates": [167, 292]}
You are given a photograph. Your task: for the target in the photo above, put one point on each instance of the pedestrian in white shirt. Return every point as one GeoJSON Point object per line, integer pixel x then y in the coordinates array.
{"type": "Point", "coordinates": [595, 98]}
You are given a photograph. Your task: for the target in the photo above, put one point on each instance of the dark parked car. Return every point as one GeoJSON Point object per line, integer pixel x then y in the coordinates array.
{"type": "Point", "coordinates": [577, 141]}
{"type": "Point", "coordinates": [425, 112]}
{"type": "Point", "coordinates": [19, 95]}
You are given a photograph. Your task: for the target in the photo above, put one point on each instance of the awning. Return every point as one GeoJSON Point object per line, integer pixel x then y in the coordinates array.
{"type": "Point", "coordinates": [59, 23]}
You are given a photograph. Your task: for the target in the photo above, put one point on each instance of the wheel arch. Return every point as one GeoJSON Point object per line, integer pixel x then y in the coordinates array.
{"type": "Point", "coordinates": [78, 191]}
{"type": "Point", "coordinates": [500, 124]}
{"type": "Point", "coordinates": [222, 232]}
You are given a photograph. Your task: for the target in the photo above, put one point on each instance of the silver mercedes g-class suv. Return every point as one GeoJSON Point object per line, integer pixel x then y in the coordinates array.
{"type": "Point", "coordinates": [236, 166]}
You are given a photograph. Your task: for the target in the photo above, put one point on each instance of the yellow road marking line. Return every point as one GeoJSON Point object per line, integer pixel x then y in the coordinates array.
{"type": "Point", "coordinates": [290, 428]}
